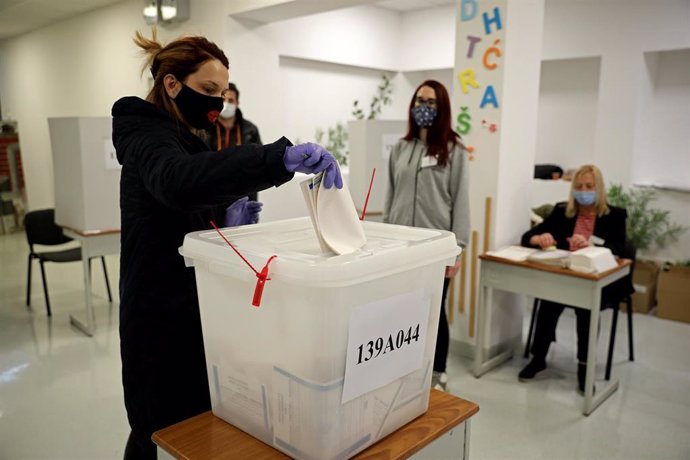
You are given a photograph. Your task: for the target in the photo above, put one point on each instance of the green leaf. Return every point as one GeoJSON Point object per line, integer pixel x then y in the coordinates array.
{"type": "Point", "coordinates": [647, 227]}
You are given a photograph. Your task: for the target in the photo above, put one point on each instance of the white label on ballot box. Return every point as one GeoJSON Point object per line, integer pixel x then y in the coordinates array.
{"type": "Point", "coordinates": [386, 341]}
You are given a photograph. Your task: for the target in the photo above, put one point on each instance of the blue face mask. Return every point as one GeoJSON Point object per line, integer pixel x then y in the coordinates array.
{"type": "Point", "coordinates": [423, 115]}
{"type": "Point", "coordinates": [586, 198]}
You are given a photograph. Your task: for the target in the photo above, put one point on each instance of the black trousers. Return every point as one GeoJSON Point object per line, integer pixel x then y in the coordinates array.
{"type": "Point", "coordinates": [443, 336]}
{"type": "Point", "coordinates": [545, 330]}
{"type": "Point", "coordinates": [135, 451]}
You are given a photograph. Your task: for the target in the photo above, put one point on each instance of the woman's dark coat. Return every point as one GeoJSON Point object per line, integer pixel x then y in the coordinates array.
{"type": "Point", "coordinates": [170, 181]}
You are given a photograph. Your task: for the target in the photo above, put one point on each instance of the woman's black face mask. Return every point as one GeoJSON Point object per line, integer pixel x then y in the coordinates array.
{"type": "Point", "coordinates": [199, 110]}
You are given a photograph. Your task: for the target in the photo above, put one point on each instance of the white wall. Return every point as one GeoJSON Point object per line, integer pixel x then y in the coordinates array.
{"type": "Point", "coordinates": [300, 74]}
{"type": "Point", "coordinates": [427, 39]}
{"type": "Point", "coordinates": [621, 32]}
{"type": "Point", "coordinates": [364, 36]}
{"type": "Point", "coordinates": [662, 156]}
{"type": "Point", "coordinates": [568, 94]}
{"type": "Point", "coordinates": [82, 65]}
{"type": "Point", "coordinates": [662, 153]}
{"type": "Point", "coordinates": [291, 73]}
{"type": "Point", "coordinates": [78, 67]}
{"type": "Point", "coordinates": [319, 93]}
{"type": "Point", "coordinates": [65, 70]}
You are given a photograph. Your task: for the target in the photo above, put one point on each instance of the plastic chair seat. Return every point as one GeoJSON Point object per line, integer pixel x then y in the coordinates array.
{"type": "Point", "coordinates": [41, 229]}
{"type": "Point", "coordinates": [68, 255]}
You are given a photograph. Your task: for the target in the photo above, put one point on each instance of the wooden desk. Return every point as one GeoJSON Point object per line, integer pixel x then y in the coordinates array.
{"type": "Point", "coordinates": [208, 437]}
{"type": "Point", "coordinates": [94, 243]}
{"type": "Point", "coordinates": [581, 290]}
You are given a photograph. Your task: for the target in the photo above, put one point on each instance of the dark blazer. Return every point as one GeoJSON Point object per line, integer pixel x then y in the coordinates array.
{"type": "Point", "coordinates": [609, 227]}
{"type": "Point", "coordinates": [169, 183]}
{"type": "Point", "coordinates": [248, 134]}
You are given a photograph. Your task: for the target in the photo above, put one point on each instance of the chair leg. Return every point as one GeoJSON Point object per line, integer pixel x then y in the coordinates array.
{"type": "Point", "coordinates": [612, 341]}
{"type": "Point", "coordinates": [631, 348]}
{"type": "Point", "coordinates": [533, 320]}
{"type": "Point", "coordinates": [28, 282]}
{"type": "Point", "coordinates": [107, 282]}
{"type": "Point", "coordinates": [45, 290]}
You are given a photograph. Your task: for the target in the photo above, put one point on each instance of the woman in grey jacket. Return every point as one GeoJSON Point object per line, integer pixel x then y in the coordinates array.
{"type": "Point", "coordinates": [428, 187]}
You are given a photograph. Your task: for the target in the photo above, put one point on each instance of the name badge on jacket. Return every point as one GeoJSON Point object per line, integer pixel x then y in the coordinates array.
{"type": "Point", "coordinates": [428, 161]}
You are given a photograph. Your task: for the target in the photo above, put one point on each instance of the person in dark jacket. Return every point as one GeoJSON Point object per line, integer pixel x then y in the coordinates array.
{"type": "Point", "coordinates": [232, 129]}
{"type": "Point", "coordinates": [169, 183]}
{"type": "Point", "coordinates": [585, 218]}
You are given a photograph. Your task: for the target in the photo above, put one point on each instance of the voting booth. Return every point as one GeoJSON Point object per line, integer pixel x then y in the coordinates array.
{"type": "Point", "coordinates": [86, 173]}
{"type": "Point", "coordinates": [339, 352]}
{"type": "Point", "coordinates": [371, 142]}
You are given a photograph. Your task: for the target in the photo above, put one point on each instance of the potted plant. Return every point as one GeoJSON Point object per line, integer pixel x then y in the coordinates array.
{"type": "Point", "coordinates": [647, 228]}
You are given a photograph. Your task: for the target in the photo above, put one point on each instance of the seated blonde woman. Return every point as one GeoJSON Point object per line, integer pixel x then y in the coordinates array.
{"type": "Point", "coordinates": [571, 226]}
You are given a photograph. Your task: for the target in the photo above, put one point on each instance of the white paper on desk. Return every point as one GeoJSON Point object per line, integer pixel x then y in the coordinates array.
{"type": "Point", "coordinates": [515, 253]}
{"type": "Point", "coordinates": [558, 257]}
{"type": "Point", "coordinates": [334, 216]}
{"type": "Point", "coordinates": [592, 259]}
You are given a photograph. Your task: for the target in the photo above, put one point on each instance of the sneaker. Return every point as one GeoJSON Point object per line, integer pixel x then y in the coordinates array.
{"type": "Point", "coordinates": [531, 370]}
{"type": "Point", "coordinates": [439, 380]}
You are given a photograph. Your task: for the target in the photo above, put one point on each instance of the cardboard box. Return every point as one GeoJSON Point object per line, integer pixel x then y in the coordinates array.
{"type": "Point", "coordinates": [645, 278]}
{"type": "Point", "coordinates": [674, 294]}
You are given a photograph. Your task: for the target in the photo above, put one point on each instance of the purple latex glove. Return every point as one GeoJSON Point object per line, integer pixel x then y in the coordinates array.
{"type": "Point", "coordinates": [312, 159]}
{"type": "Point", "coordinates": [242, 212]}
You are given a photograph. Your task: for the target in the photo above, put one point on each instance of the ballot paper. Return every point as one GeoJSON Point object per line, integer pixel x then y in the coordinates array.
{"type": "Point", "coordinates": [557, 257]}
{"type": "Point", "coordinates": [592, 259]}
{"type": "Point", "coordinates": [333, 216]}
{"type": "Point", "coordinates": [515, 253]}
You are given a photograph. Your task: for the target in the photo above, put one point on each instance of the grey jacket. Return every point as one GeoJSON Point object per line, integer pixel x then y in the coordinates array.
{"type": "Point", "coordinates": [423, 194]}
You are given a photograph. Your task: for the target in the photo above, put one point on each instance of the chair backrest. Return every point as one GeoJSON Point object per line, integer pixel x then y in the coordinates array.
{"type": "Point", "coordinates": [41, 228]}
{"type": "Point", "coordinates": [629, 251]}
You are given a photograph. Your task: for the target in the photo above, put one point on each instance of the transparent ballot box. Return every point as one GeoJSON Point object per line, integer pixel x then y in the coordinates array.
{"type": "Point", "coordinates": [339, 352]}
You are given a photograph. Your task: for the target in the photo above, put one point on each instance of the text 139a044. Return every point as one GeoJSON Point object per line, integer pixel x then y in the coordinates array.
{"type": "Point", "coordinates": [382, 345]}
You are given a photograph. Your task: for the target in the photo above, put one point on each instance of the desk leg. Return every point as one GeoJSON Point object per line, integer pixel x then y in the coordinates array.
{"type": "Point", "coordinates": [453, 444]}
{"type": "Point", "coordinates": [479, 337]}
{"type": "Point", "coordinates": [484, 330]}
{"type": "Point", "coordinates": [466, 453]}
{"type": "Point", "coordinates": [162, 454]}
{"type": "Point", "coordinates": [87, 328]}
{"type": "Point", "coordinates": [591, 402]}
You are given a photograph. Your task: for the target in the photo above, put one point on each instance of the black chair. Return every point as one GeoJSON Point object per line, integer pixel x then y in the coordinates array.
{"type": "Point", "coordinates": [41, 229]}
{"type": "Point", "coordinates": [629, 252]}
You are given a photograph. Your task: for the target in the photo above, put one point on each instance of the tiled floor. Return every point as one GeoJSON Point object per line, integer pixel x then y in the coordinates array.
{"type": "Point", "coordinates": [61, 397]}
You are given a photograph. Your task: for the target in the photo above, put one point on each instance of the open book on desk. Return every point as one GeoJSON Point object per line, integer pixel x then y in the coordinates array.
{"type": "Point", "coordinates": [333, 216]}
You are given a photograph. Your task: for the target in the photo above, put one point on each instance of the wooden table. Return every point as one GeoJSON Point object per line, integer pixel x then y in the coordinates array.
{"type": "Point", "coordinates": [94, 243]}
{"type": "Point", "coordinates": [442, 432]}
{"type": "Point", "coordinates": [562, 285]}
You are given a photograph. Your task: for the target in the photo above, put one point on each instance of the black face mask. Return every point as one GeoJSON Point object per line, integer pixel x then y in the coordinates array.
{"type": "Point", "coordinates": [199, 110]}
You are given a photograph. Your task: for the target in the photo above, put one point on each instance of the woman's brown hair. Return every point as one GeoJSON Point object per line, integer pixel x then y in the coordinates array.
{"type": "Point", "coordinates": [180, 58]}
{"type": "Point", "coordinates": [440, 133]}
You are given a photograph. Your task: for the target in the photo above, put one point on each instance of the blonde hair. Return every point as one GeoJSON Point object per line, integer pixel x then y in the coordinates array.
{"type": "Point", "coordinates": [602, 204]}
